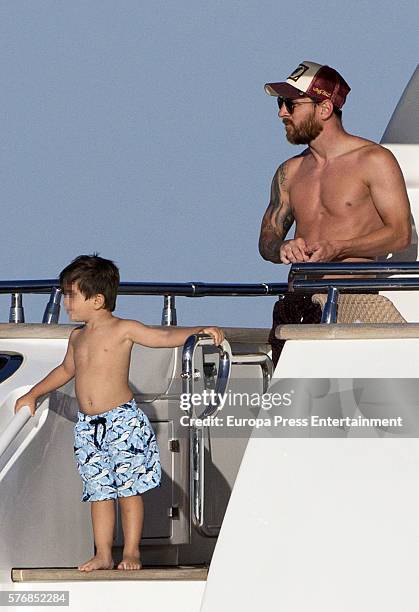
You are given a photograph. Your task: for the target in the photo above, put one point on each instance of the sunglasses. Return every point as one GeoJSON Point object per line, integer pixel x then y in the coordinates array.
{"type": "Point", "coordinates": [291, 104]}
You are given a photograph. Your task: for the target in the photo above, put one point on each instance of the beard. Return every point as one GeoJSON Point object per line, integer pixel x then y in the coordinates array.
{"type": "Point", "coordinates": [304, 133]}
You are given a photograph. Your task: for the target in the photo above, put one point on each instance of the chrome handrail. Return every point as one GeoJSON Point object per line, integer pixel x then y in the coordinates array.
{"type": "Point", "coordinates": [191, 289]}
{"type": "Point", "coordinates": [197, 442]}
{"type": "Point", "coordinates": [168, 290]}
{"type": "Point", "coordinates": [301, 276]}
{"type": "Point", "coordinates": [355, 284]}
{"type": "Point", "coordinates": [301, 280]}
{"type": "Point", "coordinates": [188, 375]}
{"type": "Point", "coordinates": [352, 268]}
{"type": "Point", "coordinates": [258, 359]}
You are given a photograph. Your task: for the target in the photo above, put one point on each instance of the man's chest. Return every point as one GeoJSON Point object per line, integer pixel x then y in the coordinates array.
{"type": "Point", "coordinates": [336, 190]}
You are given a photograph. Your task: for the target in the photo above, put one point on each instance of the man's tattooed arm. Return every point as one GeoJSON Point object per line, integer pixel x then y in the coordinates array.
{"type": "Point", "coordinates": [277, 219]}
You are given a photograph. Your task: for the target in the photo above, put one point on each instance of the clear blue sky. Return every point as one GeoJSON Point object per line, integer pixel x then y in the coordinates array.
{"type": "Point", "coordinates": [141, 130]}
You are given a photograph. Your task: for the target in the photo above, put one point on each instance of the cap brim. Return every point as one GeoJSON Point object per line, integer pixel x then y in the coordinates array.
{"type": "Point", "coordinates": [284, 90]}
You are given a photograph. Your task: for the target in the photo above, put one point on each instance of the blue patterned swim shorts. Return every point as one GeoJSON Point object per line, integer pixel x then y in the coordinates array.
{"type": "Point", "coordinates": [117, 453]}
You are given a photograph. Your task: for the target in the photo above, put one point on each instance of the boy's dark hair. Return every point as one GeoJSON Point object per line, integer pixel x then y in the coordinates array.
{"type": "Point", "coordinates": [93, 275]}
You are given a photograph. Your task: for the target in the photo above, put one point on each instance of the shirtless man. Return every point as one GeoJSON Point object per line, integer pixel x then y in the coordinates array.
{"type": "Point", "coordinates": [115, 447]}
{"type": "Point", "coordinates": [346, 194]}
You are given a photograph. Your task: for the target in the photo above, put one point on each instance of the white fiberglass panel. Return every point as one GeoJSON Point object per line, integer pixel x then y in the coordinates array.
{"type": "Point", "coordinates": [320, 525]}
{"type": "Point", "coordinates": [397, 358]}
{"type": "Point", "coordinates": [324, 524]}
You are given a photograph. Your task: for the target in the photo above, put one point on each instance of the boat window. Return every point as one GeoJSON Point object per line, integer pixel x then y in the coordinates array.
{"type": "Point", "coordinates": [9, 363]}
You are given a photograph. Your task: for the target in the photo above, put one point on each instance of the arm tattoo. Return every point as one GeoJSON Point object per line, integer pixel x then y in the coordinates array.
{"type": "Point", "coordinates": [281, 173]}
{"type": "Point", "coordinates": [277, 221]}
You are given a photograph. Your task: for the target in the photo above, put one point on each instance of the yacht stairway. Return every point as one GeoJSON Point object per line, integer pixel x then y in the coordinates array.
{"type": "Point", "coordinates": [45, 530]}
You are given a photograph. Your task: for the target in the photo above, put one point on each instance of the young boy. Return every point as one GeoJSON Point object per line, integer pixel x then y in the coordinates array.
{"type": "Point", "coordinates": [115, 447]}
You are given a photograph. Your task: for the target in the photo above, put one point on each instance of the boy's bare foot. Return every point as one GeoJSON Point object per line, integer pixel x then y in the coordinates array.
{"type": "Point", "coordinates": [97, 563]}
{"type": "Point", "coordinates": [130, 562]}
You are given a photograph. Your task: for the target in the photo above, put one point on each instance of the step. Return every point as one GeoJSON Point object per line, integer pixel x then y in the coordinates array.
{"type": "Point", "coordinates": [69, 574]}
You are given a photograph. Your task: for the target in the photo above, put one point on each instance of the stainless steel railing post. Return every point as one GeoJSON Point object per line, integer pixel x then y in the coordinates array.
{"type": "Point", "coordinates": [169, 316]}
{"type": "Point", "coordinates": [330, 310]}
{"type": "Point", "coordinates": [52, 309]}
{"type": "Point", "coordinates": [16, 313]}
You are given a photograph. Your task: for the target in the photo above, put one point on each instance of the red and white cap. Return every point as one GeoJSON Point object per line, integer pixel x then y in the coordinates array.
{"type": "Point", "coordinates": [313, 80]}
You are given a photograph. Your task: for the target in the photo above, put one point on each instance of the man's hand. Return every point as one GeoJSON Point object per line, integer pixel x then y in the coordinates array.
{"type": "Point", "coordinates": [216, 334]}
{"type": "Point", "coordinates": [26, 400]}
{"type": "Point", "coordinates": [294, 251]}
{"type": "Point", "coordinates": [323, 251]}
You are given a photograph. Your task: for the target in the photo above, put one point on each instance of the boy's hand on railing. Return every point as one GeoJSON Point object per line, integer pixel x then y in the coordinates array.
{"type": "Point", "coordinates": [216, 334]}
{"type": "Point", "coordinates": [26, 400]}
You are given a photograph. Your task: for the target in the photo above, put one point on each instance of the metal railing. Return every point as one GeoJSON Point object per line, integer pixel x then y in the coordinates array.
{"type": "Point", "coordinates": [197, 440]}
{"type": "Point", "coordinates": [190, 289]}
{"type": "Point", "coordinates": [169, 290]}
{"type": "Point", "coordinates": [303, 277]}
{"type": "Point", "coordinates": [308, 278]}
{"type": "Point", "coordinates": [197, 429]}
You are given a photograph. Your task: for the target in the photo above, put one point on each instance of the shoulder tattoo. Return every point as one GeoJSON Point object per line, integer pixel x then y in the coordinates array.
{"type": "Point", "coordinates": [282, 173]}
{"type": "Point", "coordinates": [278, 183]}
{"type": "Point", "coordinates": [281, 216]}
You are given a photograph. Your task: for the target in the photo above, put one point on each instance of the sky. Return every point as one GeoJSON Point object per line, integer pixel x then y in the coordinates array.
{"type": "Point", "coordinates": [141, 130]}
